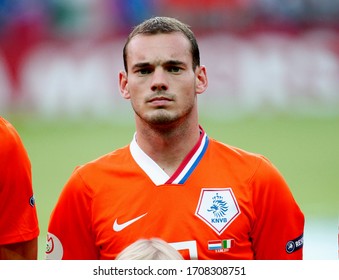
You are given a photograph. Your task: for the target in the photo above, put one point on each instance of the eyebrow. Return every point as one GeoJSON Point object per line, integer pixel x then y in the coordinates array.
{"type": "Point", "coordinates": [174, 62]}
{"type": "Point", "coordinates": [141, 65]}
{"type": "Point", "coordinates": [166, 63]}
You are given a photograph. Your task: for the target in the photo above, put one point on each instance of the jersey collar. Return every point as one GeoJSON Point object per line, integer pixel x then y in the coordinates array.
{"type": "Point", "coordinates": [155, 172]}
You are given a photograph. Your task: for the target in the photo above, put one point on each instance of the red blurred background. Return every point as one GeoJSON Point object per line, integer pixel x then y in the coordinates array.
{"type": "Point", "coordinates": [56, 55]}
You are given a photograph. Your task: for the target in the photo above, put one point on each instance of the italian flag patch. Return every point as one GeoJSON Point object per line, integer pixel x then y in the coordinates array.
{"type": "Point", "coordinates": [220, 244]}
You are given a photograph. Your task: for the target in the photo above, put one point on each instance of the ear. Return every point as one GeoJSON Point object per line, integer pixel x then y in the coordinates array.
{"type": "Point", "coordinates": [201, 79]}
{"type": "Point", "coordinates": [123, 84]}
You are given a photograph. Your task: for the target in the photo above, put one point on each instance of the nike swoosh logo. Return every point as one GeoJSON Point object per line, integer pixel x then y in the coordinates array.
{"type": "Point", "coordinates": [119, 227]}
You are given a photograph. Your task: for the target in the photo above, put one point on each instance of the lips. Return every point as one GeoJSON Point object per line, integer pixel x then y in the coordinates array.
{"type": "Point", "coordinates": [159, 100]}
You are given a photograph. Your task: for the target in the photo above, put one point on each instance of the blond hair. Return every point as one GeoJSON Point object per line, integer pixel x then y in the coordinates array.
{"type": "Point", "coordinates": [149, 249]}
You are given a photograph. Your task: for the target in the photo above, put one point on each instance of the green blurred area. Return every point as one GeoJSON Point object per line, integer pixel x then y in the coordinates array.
{"type": "Point", "coordinates": [305, 150]}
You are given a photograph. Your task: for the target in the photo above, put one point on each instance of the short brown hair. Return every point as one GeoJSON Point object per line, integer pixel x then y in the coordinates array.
{"type": "Point", "coordinates": [158, 25]}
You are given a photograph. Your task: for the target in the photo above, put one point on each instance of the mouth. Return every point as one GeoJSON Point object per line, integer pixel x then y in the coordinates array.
{"type": "Point", "coordinates": [160, 100]}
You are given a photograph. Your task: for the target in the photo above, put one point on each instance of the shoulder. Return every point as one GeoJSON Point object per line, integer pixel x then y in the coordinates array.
{"type": "Point", "coordinates": [235, 154]}
{"type": "Point", "coordinates": [11, 143]}
{"type": "Point", "coordinates": [257, 168]}
{"type": "Point", "coordinates": [90, 178]}
{"type": "Point", "coordinates": [112, 160]}
{"type": "Point", "coordinates": [90, 173]}
{"type": "Point", "coordinates": [8, 135]}
{"type": "Point", "coordinates": [252, 166]}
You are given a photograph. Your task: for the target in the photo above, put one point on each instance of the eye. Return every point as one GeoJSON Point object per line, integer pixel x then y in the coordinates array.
{"type": "Point", "coordinates": [174, 69]}
{"type": "Point", "coordinates": [144, 71]}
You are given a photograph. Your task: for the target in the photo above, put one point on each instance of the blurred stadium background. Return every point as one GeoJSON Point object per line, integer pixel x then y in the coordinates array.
{"type": "Point", "coordinates": [273, 71]}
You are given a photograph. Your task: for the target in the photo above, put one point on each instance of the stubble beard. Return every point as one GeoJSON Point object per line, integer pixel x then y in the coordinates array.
{"type": "Point", "coordinates": [160, 118]}
{"type": "Point", "coordinates": [163, 120]}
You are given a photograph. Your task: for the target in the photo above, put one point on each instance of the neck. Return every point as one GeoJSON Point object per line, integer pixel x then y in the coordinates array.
{"type": "Point", "coordinates": [168, 146]}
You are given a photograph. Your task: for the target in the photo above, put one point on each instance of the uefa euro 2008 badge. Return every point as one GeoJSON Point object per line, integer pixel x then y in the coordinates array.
{"type": "Point", "coordinates": [218, 208]}
{"type": "Point", "coordinates": [54, 250]}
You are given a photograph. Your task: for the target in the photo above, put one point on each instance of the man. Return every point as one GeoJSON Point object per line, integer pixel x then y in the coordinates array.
{"type": "Point", "coordinates": [207, 199]}
{"type": "Point", "coordinates": [19, 227]}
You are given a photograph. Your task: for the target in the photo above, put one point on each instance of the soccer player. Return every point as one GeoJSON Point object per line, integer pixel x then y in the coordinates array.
{"type": "Point", "coordinates": [209, 200]}
{"type": "Point", "coordinates": [19, 229]}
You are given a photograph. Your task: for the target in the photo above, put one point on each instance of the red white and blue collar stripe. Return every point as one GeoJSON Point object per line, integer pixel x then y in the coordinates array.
{"type": "Point", "coordinates": [159, 176]}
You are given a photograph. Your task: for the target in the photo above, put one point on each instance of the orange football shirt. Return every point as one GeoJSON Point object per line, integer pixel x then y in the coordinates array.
{"type": "Point", "coordinates": [18, 220]}
{"type": "Point", "coordinates": [221, 203]}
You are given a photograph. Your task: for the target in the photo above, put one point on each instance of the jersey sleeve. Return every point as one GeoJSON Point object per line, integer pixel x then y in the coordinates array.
{"type": "Point", "coordinates": [279, 223]}
{"type": "Point", "coordinates": [19, 220]}
{"type": "Point", "coordinates": [70, 228]}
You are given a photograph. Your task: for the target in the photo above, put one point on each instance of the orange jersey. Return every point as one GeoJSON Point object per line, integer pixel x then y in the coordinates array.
{"type": "Point", "coordinates": [221, 203]}
{"type": "Point", "coordinates": [18, 220]}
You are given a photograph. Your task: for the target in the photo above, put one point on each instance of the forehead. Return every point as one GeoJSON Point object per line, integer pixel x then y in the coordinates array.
{"type": "Point", "coordinates": [147, 48]}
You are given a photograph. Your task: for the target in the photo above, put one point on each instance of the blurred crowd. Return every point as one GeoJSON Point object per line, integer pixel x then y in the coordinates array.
{"type": "Point", "coordinates": [41, 42]}
{"type": "Point", "coordinates": [99, 18]}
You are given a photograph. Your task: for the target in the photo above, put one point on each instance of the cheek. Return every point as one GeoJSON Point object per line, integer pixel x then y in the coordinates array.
{"type": "Point", "coordinates": [136, 99]}
{"type": "Point", "coordinates": [138, 86]}
{"type": "Point", "coordinates": [188, 90]}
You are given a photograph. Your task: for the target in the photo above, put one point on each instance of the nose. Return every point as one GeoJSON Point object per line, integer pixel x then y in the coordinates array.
{"type": "Point", "coordinates": [159, 81]}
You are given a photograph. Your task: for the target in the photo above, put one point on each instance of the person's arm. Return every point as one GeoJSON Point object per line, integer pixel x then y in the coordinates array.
{"type": "Point", "coordinates": [27, 250]}
{"type": "Point", "coordinates": [279, 223]}
{"type": "Point", "coordinates": [19, 228]}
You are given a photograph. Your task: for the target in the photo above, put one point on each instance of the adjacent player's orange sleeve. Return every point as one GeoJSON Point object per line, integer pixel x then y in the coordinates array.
{"type": "Point", "coordinates": [279, 222]}
{"type": "Point", "coordinates": [19, 220]}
